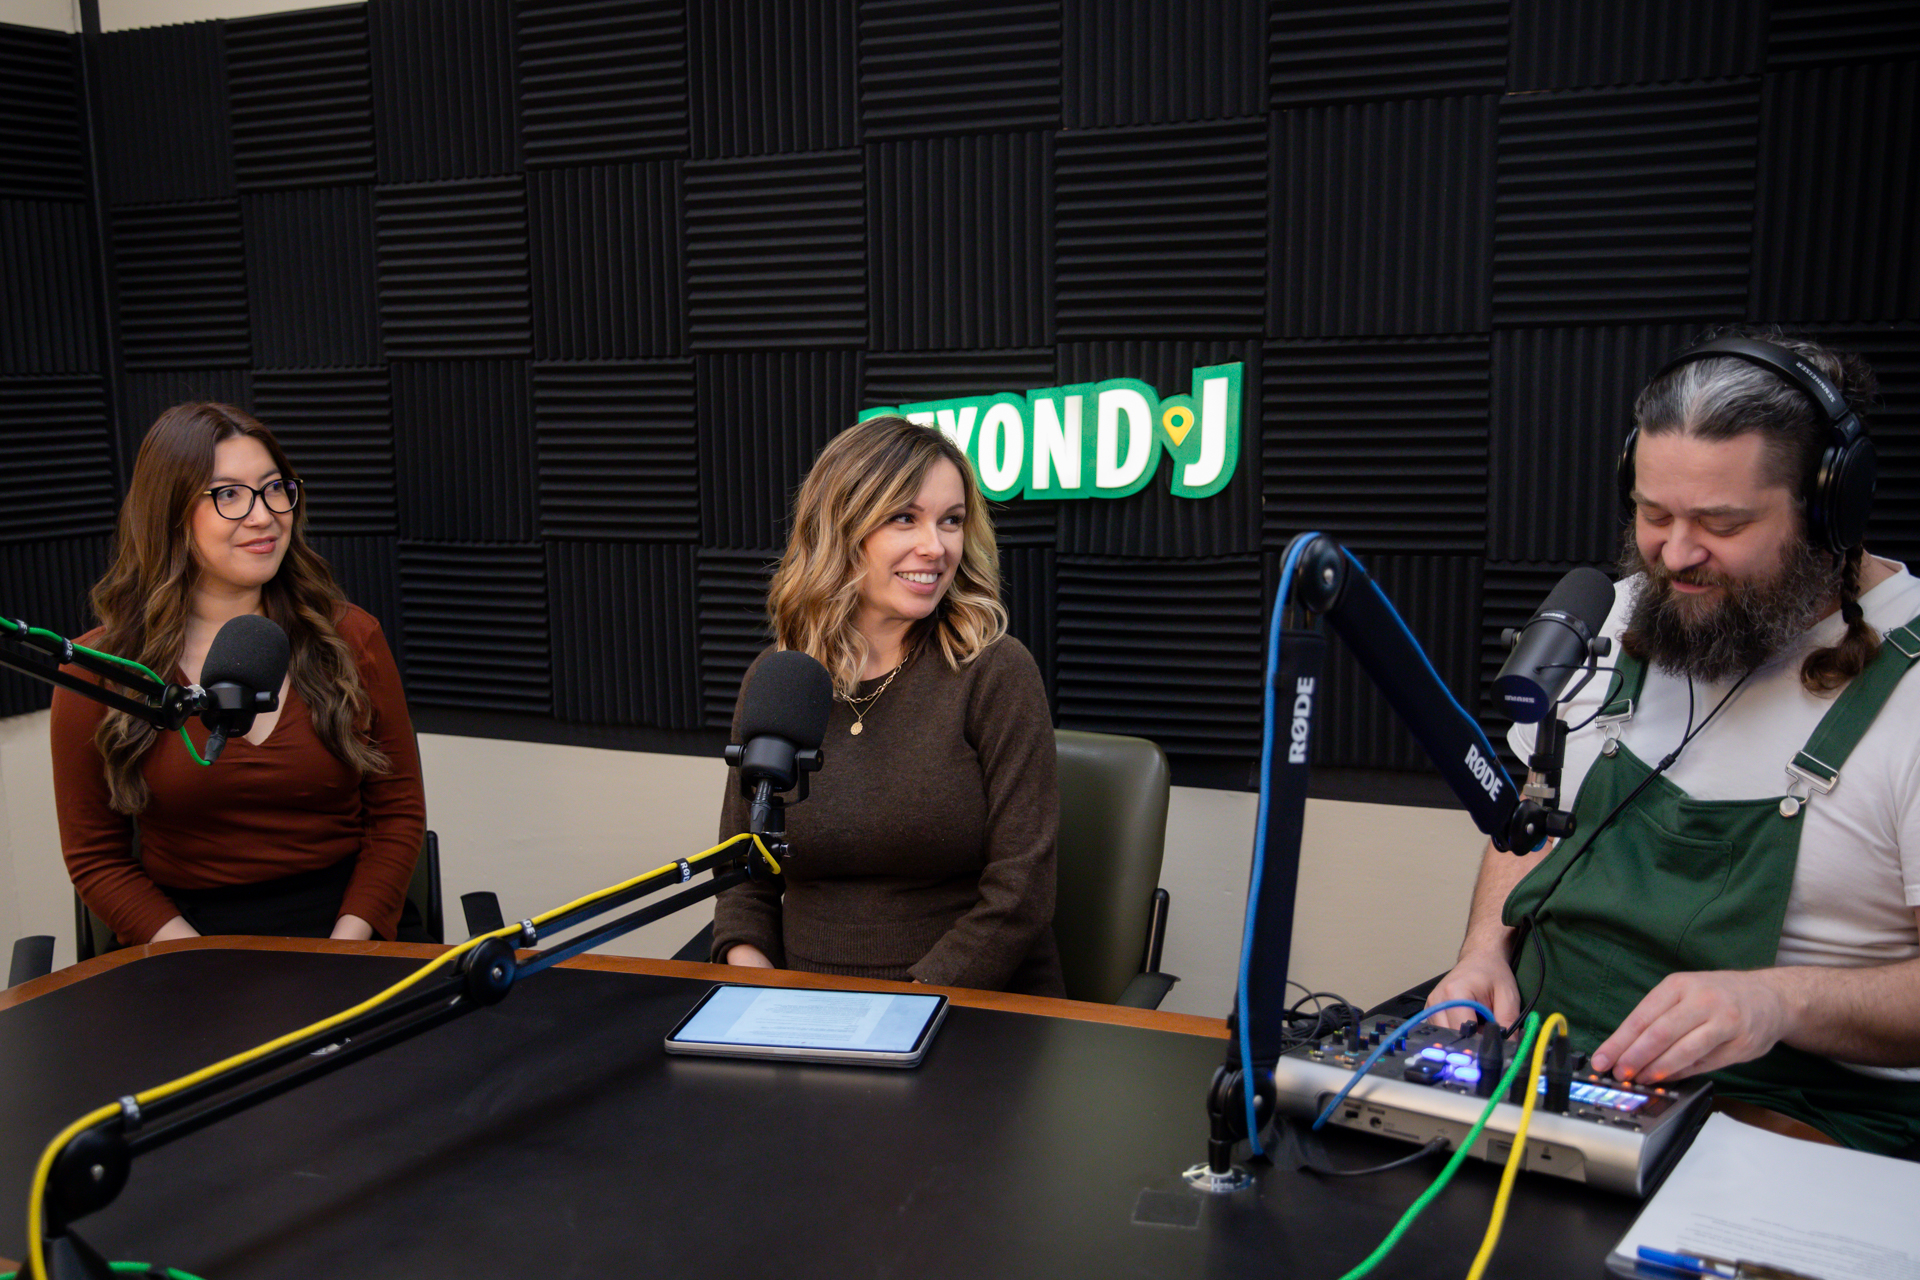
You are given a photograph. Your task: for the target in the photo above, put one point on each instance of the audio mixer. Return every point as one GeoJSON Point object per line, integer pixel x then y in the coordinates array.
{"type": "Point", "coordinates": [1433, 1082]}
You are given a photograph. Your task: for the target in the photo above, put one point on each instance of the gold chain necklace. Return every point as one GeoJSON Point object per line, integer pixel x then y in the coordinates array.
{"type": "Point", "coordinates": [862, 705]}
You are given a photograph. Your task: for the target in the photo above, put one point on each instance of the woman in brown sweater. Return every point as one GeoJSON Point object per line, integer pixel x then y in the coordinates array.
{"type": "Point", "coordinates": [308, 825]}
{"type": "Point", "coordinates": [926, 849]}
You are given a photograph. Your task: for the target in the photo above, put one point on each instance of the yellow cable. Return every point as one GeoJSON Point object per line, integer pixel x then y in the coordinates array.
{"type": "Point", "coordinates": [43, 1172]}
{"type": "Point", "coordinates": [1519, 1151]}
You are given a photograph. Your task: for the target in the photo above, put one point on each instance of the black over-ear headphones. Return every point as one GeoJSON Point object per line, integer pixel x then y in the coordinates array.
{"type": "Point", "coordinates": [1839, 494]}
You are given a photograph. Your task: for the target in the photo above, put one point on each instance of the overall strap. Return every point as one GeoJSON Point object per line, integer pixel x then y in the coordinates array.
{"type": "Point", "coordinates": [1847, 721]}
{"type": "Point", "coordinates": [1629, 677]}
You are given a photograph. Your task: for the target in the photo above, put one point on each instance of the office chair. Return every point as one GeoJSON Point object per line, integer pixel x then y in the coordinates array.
{"type": "Point", "coordinates": [93, 938]}
{"type": "Point", "coordinates": [1111, 915]}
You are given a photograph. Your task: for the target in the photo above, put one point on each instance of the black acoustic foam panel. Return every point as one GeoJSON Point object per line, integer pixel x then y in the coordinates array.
{"type": "Point", "coordinates": [1563, 404]}
{"type": "Point", "coordinates": [896, 379]}
{"type": "Point", "coordinates": [623, 634]}
{"type": "Point", "coordinates": [443, 89]}
{"type": "Point", "coordinates": [301, 95]}
{"type": "Point", "coordinates": [182, 285]}
{"type": "Point", "coordinates": [368, 571]}
{"type": "Point", "coordinates": [1029, 586]}
{"type": "Point", "coordinates": [336, 426]}
{"type": "Point", "coordinates": [1380, 445]}
{"type": "Point", "coordinates": [960, 242]}
{"type": "Point", "coordinates": [1834, 236]}
{"type": "Point", "coordinates": [1167, 650]}
{"type": "Point", "coordinates": [311, 277]}
{"type": "Point", "coordinates": [476, 626]}
{"type": "Point", "coordinates": [1382, 218]}
{"type": "Point", "coordinates": [776, 252]}
{"type": "Point", "coordinates": [602, 80]}
{"type": "Point", "coordinates": [42, 143]}
{"type": "Point", "coordinates": [1625, 205]}
{"type": "Point", "coordinates": [45, 583]}
{"type": "Point", "coordinates": [731, 614]}
{"type": "Point", "coordinates": [608, 280]}
{"type": "Point", "coordinates": [1438, 598]}
{"type": "Point", "coordinates": [1161, 231]}
{"type": "Point", "coordinates": [48, 305]}
{"type": "Point", "coordinates": [59, 472]}
{"type": "Point", "coordinates": [762, 418]}
{"type": "Point", "coordinates": [1360, 50]}
{"type": "Point", "coordinates": [1153, 522]}
{"type": "Point", "coordinates": [1578, 44]}
{"type": "Point", "coordinates": [1894, 353]}
{"type": "Point", "coordinates": [1805, 32]}
{"type": "Point", "coordinates": [1142, 62]}
{"type": "Point", "coordinates": [453, 269]}
{"type": "Point", "coordinates": [618, 453]}
{"type": "Point", "coordinates": [143, 393]}
{"type": "Point", "coordinates": [164, 130]}
{"type": "Point", "coordinates": [463, 449]}
{"type": "Point", "coordinates": [774, 76]}
{"type": "Point", "coordinates": [930, 67]}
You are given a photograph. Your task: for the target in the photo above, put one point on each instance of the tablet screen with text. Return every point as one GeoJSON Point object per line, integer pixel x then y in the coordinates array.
{"type": "Point", "coordinates": [876, 1028]}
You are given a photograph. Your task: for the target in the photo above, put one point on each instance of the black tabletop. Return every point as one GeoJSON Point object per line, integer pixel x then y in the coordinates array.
{"type": "Point", "coordinates": [552, 1136]}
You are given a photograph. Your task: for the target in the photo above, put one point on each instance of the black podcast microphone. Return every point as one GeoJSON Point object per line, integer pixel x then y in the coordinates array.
{"type": "Point", "coordinates": [1556, 642]}
{"type": "Point", "coordinates": [241, 677]}
{"type": "Point", "coordinates": [783, 717]}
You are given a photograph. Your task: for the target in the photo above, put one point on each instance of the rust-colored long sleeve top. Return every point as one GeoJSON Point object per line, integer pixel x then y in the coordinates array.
{"type": "Point", "coordinates": [260, 812]}
{"type": "Point", "coordinates": [927, 848]}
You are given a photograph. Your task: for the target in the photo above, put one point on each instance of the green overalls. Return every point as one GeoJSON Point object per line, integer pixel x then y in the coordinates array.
{"type": "Point", "coordinates": [1675, 884]}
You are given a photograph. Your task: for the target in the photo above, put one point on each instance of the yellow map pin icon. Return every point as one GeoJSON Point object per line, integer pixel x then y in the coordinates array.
{"type": "Point", "coordinates": [1177, 420]}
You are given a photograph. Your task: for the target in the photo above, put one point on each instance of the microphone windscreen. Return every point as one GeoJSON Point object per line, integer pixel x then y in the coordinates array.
{"type": "Point", "coordinates": [250, 651]}
{"type": "Point", "coordinates": [1585, 593]}
{"type": "Point", "coordinates": [789, 697]}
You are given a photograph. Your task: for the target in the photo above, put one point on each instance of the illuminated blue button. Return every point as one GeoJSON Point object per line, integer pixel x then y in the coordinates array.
{"type": "Point", "coordinates": [1436, 1054]}
{"type": "Point", "coordinates": [1465, 1075]}
{"type": "Point", "coordinates": [1459, 1059]}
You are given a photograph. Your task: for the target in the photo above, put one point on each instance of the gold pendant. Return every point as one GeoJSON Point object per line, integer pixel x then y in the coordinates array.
{"type": "Point", "coordinates": [855, 730]}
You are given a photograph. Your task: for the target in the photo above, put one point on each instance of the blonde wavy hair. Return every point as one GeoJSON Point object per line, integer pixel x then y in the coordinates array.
{"type": "Point", "coordinates": [867, 473]}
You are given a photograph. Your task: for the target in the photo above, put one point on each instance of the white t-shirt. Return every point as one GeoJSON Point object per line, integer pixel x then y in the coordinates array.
{"type": "Point", "coordinates": [1857, 880]}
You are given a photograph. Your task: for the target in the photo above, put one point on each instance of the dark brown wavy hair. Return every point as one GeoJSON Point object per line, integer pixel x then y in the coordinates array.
{"type": "Point", "coordinates": [143, 600]}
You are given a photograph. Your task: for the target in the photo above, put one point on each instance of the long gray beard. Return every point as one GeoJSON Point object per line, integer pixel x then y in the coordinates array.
{"type": "Point", "coordinates": [1752, 621]}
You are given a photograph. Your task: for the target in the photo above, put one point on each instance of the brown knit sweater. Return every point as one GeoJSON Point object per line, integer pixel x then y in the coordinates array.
{"type": "Point", "coordinates": [927, 847]}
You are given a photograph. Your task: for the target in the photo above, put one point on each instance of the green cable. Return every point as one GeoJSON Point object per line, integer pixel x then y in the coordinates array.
{"type": "Point", "coordinates": [23, 628]}
{"type": "Point", "coordinates": [1459, 1156]}
{"type": "Point", "coordinates": [133, 1268]}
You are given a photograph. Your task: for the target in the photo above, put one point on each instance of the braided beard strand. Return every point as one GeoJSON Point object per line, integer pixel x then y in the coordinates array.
{"type": "Point", "coordinates": [1712, 640]}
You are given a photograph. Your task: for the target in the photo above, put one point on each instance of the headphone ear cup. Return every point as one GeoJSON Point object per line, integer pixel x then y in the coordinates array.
{"type": "Point", "coordinates": [1842, 496]}
{"type": "Point", "coordinates": [1623, 470]}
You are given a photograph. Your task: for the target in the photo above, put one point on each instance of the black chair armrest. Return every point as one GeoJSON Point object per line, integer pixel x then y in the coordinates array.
{"type": "Point", "coordinates": [1147, 990]}
{"type": "Point", "coordinates": [699, 947]}
{"type": "Point", "coordinates": [482, 910]}
{"type": "Point", "coordinates": [32, 958]}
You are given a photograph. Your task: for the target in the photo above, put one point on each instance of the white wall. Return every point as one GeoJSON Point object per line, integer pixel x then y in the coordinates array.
{"type": "Point", "coordinates": [1382, 898]}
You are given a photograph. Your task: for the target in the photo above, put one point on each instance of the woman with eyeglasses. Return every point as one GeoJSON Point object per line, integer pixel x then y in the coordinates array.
{"type": "Point", "coordinates": [310, 824]}
{"type": "Point", "coordinates": [926, 851]}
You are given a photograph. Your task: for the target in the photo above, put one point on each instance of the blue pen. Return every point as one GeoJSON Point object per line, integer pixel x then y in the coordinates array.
{"type": "Point", "coordinates": [1686, 1264]}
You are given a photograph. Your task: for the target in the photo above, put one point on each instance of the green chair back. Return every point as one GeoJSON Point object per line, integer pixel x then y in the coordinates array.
{"type": "Point", "coordinates": [1113, 827]}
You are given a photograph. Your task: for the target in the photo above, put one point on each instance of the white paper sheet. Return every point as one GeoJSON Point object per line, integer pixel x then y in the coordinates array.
{"type": "Point", "coordinates": [1749, 1195]}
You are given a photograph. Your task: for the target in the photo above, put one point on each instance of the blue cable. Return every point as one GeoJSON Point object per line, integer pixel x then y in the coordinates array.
{"type": "Point", "coordinates": [1418, 648]}
{"type": "Point", "coordinates": [1247, 1090]}
{"type": "Point", "coordinates": [1381, 1049]}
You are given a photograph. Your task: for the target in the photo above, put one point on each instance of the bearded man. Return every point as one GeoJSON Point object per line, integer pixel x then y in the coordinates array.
{"type": "Point", "coordinates": [1741, 894]}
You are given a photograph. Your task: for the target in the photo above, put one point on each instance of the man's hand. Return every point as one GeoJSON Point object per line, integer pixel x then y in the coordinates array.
{"type": "Point", "coordinates": [174, 928]}
{"type": "Point", "coordinates": [1483, 976]}
{"type": "Point", "coordinates": [748, 956]}
{"type": "Point", "coordinates": [1693, 1023]}
{"type": "Point", "coordinates": [351, 928]}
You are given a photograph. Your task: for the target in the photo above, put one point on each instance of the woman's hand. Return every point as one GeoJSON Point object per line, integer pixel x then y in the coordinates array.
{"type": "Point", "coordinates": [174, 928]}
{"type": "Point", "coordinates": [748, 956]}
{"type": "Point", "coordinates": [351, 928]}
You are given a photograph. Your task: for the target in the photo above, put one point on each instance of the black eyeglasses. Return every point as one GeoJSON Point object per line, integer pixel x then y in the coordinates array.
{"type": "Point", "coordinates": [235, 501]}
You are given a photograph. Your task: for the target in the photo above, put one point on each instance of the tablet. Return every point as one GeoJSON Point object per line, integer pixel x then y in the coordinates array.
{"type": "Point", "coordinates": [871, 1028]}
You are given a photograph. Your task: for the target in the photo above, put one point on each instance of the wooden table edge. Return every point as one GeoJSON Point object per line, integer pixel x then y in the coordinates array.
{"type": "Point", "coordinates": [1041, 1006]}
